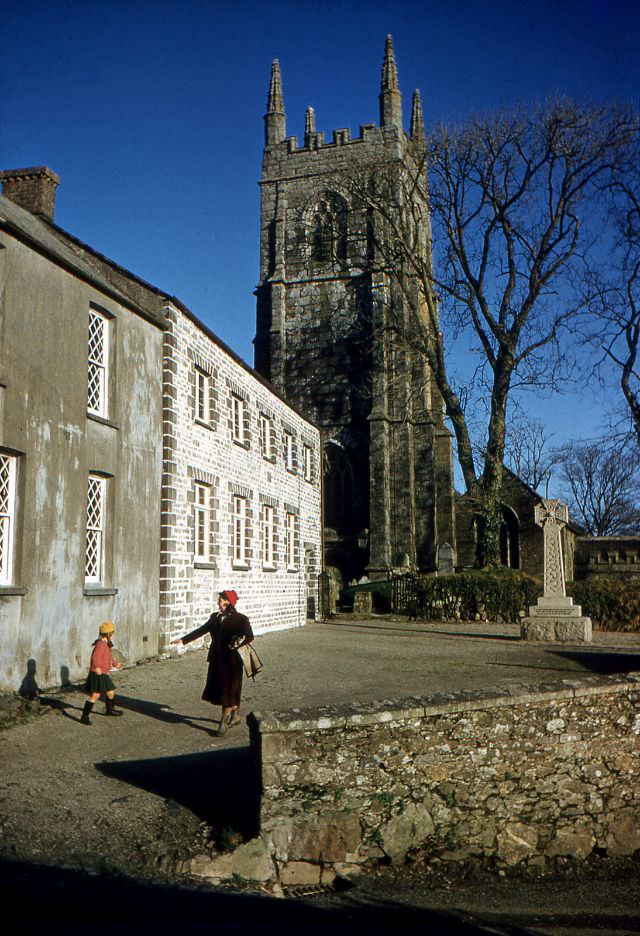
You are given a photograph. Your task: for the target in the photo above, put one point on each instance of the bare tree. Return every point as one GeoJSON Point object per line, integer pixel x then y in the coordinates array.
{"type": "Point", "coordinates": [616, 303]}
{"type": "Point", "coordinates": [528, 453]}
{"type": "Point", "coordinates": [602, 487]}
{"type": "Point", "coordinates": [513, 203]}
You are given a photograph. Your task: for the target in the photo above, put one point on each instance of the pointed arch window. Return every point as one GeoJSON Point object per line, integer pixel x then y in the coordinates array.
{"type": "Point", "coordinates": [327, 230]}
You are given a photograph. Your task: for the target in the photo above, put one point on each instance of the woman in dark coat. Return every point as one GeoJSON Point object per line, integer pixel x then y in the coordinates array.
{"type": "Point", "coordinates": [228, 630]}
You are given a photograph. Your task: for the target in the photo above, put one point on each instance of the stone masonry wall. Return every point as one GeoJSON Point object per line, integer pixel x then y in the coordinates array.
{"type": "Point", "coordinates": [273, 595]}
{"type": "Point", "coordinates": [323, 320]}
{"type": "Point", "coordinates": [515, 777]}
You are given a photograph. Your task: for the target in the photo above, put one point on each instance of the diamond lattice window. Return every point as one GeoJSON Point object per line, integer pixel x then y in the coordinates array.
{"type": "Point", "coordinates": [7, 515]}
{"type": "Point", "coordinates": [98, 362]}
{"type": "Point", "coordinates": [95, 529]}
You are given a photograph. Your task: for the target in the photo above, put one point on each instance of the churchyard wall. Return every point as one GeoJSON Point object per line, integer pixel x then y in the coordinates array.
{"type": "Point", "coordinates": [514, 777]}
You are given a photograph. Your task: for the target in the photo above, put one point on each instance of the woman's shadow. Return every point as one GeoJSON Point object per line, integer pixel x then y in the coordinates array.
{"type": "Point", "coordinates": [164, 713]}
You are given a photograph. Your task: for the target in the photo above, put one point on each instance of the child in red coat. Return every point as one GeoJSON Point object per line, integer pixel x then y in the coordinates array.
{"type": "Point", "coordinates": [98, 681]}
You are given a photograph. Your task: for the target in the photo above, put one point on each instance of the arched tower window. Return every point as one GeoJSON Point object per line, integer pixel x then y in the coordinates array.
{"type": "Point", "coordinates": [326, 226]}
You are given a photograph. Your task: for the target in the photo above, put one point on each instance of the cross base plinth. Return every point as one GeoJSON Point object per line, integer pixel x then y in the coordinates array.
{"type": "Point", "coordinates": [556, 619]}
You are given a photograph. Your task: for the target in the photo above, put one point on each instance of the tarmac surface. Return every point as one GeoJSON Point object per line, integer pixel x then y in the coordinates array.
{"type": "Point", "coordinates": [125, 799]}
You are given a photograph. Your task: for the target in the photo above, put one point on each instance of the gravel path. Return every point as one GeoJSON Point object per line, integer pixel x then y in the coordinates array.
{"type": "Point", "coordinates": [138, 794]}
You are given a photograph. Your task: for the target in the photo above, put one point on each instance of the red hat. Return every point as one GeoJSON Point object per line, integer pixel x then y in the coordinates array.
{"type": "Point", "coordinates": [231, 597]}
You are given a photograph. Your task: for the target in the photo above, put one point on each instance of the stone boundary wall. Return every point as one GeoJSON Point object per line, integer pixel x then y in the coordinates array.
{"type": "Point", "coordinates": [517, 776]}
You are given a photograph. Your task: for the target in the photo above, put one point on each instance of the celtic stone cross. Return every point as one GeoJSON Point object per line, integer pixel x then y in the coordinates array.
{"type": "Point", "coordinates": [552, 515]}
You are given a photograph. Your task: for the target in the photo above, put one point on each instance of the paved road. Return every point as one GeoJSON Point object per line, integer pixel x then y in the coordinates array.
{"type": "Point", "coordinates": [126, 794]}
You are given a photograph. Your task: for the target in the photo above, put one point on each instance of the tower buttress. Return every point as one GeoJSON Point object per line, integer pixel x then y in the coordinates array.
{"type": "Point", "coordinates": [275, 128]}
{"type": "Point", "coordinates": [390, 97]}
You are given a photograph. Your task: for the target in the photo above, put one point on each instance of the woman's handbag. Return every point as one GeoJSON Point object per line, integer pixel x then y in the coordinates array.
{"type": "Point", "coordinates": [250, 660]}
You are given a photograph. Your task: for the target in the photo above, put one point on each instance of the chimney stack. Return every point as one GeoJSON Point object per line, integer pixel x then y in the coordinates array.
{"type": "Point", "coordinates": [33, 189]}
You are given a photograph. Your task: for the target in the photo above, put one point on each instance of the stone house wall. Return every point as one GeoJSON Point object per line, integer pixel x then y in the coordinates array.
{"type": "Point", "coordinates": [49, 612]}
{"type": "Point", "coordinates": [203, 451]}
{"type": "Point", "coordinates": [513, 777]}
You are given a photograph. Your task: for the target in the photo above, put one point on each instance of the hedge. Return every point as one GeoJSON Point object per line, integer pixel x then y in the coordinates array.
{"type": "Point", "coordinates": [501, 595]}
{"type": "Point", "coordinates": [612, 603]}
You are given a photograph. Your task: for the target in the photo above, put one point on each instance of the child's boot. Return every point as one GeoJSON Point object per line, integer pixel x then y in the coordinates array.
{"type": "Point", "coordinates": [111, 710]}
{"type": "Point", "coordinates": [86, 712]}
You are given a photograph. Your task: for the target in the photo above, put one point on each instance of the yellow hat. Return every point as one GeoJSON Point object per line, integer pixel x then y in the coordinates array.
{"type": "Point", "coordinates": [107, 627]}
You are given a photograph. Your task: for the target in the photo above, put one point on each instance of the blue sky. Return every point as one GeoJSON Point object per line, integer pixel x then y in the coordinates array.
{"type": "Point", "coordinates": [151, 112]}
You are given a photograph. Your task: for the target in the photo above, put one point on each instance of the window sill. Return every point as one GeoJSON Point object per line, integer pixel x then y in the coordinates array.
{"type": "Point", "coordinates": [98, 591]}
{"type": "Point", "coordinates": [292, 569]}
{"type": "Point", "coordinates": [200, 564]}
{"type": "Point", "coordinates": [240, 566]}
{"type": "Point", "coordinates": [269, 458]}
{"type": "Point", "coordinates": [102, 420]}
{"type": "Point", "coordinates": [11, 590]}
{"type": "Point", "coordinates": [204, 424]}
{"type": "Point", "coordinates": [269, 568]}
{"type": "Point", "coordinates": [242, 445]}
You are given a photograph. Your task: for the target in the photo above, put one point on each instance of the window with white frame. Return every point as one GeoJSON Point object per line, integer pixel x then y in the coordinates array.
{"type": "Point", "coordinates": [266, 429]}
{"type": "Point", "coordinates": [307, 463]}
{"type": "Point", "coordinates": [240, 531]}
{"type": "Point", "coordinates": [291, 543]}
{"type": "Point", "coordinates": [268, 536]}
{"type": "Point", "coordinates": [288, 451]}
{"type": "Point", "coordinates": [8, 464]}
{"type": "Point", "coordinates": [238, 408]}
{"type": "Point", "coordinates": [202, 396]}
{"type": "Point", "coordinates": [96, 517]}
{"type": "Point", "coordinates": [202, 522]}
{"type": "Point", "coordinates": [98, 375]}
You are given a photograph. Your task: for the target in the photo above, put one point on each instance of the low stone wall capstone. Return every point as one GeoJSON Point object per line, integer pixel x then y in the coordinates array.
{"type": "Point", "coordinates": [517, 776]}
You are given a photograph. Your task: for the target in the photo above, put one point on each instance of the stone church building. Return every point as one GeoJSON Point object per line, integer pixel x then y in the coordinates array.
{"type": "Point", "coordinates": [323, 303]}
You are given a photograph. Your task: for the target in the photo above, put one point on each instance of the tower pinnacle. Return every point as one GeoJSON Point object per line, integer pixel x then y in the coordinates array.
{"type": "Point", "coordinates": [417, 120]}
{"type": "Point", "coordinates": [309, 124]}
{"type": "Point", "coordinates": [390, 97]}
{"type": "Point", "coordinates": [274, 119]}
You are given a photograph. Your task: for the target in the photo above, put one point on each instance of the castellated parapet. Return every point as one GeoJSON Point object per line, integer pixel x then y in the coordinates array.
{"type": "Point", "coordinates": [325, 303]}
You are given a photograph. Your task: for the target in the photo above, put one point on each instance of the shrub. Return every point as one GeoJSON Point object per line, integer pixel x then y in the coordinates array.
{"type": "Point", "coordinates": [612, 603]}
{"type": "Point", "coordinates": [501, 594]}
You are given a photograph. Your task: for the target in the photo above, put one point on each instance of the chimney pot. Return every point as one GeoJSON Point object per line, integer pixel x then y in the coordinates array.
{"type": "Point", "coordinates": [33, 189]}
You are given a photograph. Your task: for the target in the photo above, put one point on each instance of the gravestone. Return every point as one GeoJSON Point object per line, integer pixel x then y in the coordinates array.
{"type": "Point", "coordinates": [554, 617]}
{"type": "Point", "coordinates": [445, 559]}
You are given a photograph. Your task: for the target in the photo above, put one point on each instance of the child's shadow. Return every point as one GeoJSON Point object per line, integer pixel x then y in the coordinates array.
{"type": "Point", "coordinates": [29, 688]}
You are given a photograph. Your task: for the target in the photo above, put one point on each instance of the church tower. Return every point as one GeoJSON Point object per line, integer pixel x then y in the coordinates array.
{"type": "Point", "coordinates": [322, 304]}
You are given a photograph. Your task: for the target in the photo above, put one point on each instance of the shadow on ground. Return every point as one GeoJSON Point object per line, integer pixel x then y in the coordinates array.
{"type": "Point", "coordinates": [61, 902]}
{"type": "Point", "coordinates": [221, 788]}
{"type": "Point", "coordinates": [406, 630]}
{"type": "Point", "coordinates": [602, 662]}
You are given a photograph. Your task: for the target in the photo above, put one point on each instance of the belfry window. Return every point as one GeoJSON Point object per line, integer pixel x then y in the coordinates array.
{"type": "Point", "coordinates": [327, 231]}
